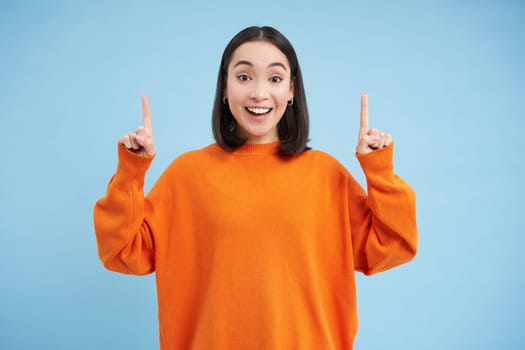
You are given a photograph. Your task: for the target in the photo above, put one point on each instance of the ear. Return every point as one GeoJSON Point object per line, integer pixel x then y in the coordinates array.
{"type": "Point", "coordinates": [292, 88]}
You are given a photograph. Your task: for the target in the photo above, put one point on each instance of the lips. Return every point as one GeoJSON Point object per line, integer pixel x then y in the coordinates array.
{"type": "Point", "coordinates": [258, 111]}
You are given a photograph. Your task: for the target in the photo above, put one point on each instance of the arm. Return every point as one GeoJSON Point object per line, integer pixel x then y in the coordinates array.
{"type": "Point", "coordinates": [124, 238]}
{"type": "Point", "coordinates": [383, 224]}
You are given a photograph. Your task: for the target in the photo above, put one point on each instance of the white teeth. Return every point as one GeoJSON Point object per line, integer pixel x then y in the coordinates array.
{"type": "Point", "coordinates": [259, 110]}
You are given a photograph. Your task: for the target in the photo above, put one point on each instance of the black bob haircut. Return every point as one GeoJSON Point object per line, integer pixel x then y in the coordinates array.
{"type": "Point", "coordinates": [294, 125]}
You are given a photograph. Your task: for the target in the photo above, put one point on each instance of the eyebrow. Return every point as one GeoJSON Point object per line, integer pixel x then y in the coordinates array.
{"type": "Point", "coordinates": [248, 63]}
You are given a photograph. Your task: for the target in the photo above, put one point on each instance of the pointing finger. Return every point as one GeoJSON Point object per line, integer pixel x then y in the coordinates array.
{"type": "Point", "coordinates": [146, 114]}
{"type": "Point", "coordinates": [364, 114]}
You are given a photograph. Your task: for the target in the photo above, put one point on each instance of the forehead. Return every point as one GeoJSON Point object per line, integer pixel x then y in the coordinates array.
{"type": "Point", "coordinates": [259, 53]}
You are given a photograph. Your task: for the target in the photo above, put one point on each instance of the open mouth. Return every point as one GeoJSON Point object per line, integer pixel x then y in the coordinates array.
{"type": "Point", "coordinates": [258, 111]}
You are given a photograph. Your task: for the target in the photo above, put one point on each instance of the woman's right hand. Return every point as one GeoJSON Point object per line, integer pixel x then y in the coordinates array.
{"type": "Point", "coordinates": [140, 141]}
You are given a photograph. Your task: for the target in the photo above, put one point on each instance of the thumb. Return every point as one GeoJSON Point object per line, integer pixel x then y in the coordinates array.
{"type": "Point", "coordinates": [141, 137]}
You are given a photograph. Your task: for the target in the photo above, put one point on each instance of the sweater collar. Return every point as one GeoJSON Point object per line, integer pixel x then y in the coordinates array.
{"type": "Point", "coordinates": [258, 149]}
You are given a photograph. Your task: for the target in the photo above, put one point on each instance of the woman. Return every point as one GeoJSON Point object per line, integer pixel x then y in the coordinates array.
{"type": "Point", "coordinates": [254, 239]}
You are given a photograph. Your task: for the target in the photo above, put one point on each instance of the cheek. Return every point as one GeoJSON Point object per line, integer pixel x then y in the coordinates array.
{"type": "Point", "coordinates": [234, 93]}
{"type": "Point", "coordinates": [283, 96]}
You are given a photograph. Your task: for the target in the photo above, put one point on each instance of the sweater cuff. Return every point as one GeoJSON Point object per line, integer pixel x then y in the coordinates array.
{"type": "Point", "coordinates": [132, 163]}
{"type": "Point", "coordinates": [380, 160]}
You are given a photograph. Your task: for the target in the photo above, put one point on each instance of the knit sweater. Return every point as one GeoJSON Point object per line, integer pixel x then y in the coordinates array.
{"type": "Point", "coordinates": [254, 251]}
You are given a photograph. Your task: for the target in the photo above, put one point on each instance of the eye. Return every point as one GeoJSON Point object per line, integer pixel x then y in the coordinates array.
{"type": "Point", "coordinates": [243, 77]}
{"type": "Point", "coordinates": [276, 79]}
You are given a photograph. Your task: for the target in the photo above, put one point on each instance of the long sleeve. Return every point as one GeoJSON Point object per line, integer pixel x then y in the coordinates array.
{"type": "Point", "coordinates": [124, 238]}
{"type": "Point", "coordinates": [383, 224]}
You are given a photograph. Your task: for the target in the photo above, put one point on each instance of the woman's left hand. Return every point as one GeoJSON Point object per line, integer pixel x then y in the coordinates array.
{"type": "Point", "coordinates": [370, 139]}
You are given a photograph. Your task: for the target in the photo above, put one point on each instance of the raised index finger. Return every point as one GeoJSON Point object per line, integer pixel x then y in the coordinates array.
{"type": "Point", "coordinates": [146, 114]}
{"type": "Point", "coordinates": [363, 128]}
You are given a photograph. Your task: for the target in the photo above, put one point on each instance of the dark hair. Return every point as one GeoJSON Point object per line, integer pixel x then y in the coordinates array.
{"type": "Point", "coordinates": [293, 126]}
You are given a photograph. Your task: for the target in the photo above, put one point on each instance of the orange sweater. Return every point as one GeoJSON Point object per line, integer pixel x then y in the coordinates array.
{"type": "Point", "coordinates": [252, 251]}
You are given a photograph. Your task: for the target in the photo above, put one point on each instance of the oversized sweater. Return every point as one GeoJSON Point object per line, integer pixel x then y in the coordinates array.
{"type": "Point", "coordinates": [253, 251]}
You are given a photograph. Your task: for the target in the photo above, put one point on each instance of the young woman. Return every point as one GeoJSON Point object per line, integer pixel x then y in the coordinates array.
{"type": "Point", "coordinates": [255, 239]}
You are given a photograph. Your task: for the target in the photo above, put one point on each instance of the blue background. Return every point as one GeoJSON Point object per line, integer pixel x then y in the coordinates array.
{"type": "Point", "coordinates": [446, 78]}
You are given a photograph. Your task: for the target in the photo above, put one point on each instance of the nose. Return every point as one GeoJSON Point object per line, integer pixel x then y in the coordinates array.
{"type": "Point", "coordinates": [259, 91]}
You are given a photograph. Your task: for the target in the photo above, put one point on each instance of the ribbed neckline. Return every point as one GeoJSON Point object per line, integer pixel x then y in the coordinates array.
{"type": "Point", "coordinates": [258, 149]}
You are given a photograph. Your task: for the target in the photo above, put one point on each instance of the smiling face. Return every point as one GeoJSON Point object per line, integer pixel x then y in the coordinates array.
{"type": "Point", "coordinates": [258, 88]}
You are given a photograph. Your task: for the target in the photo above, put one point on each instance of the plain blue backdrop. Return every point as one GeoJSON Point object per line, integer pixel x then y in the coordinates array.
{"type": "Point", "coordinates": [446, 78]}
